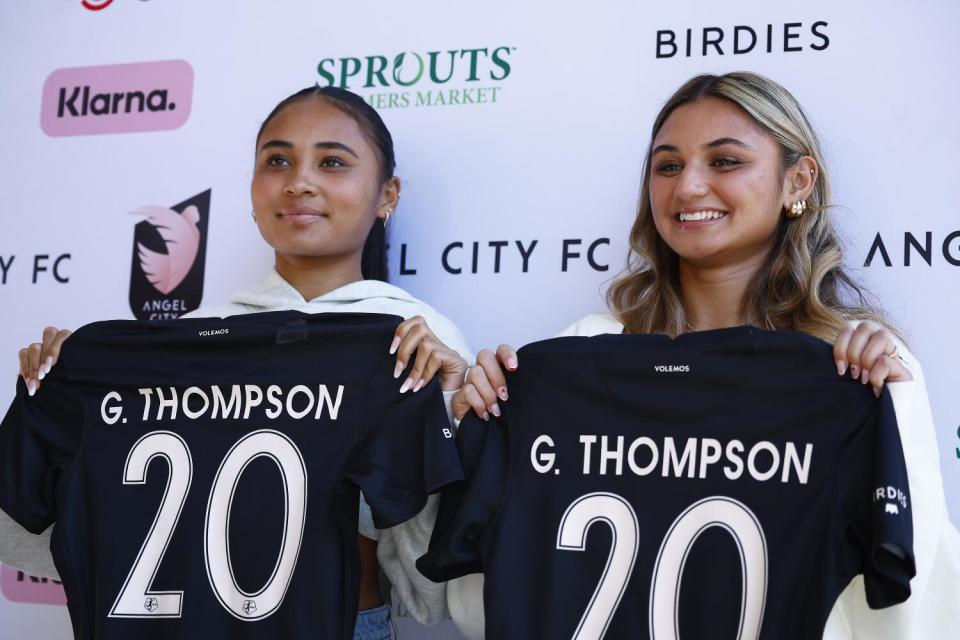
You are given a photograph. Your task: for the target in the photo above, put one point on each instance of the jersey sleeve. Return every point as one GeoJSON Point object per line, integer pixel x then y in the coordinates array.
{"type": "Point", "coordinates": [468, 509]}
{"type": "Point", "coordinates": [875, 500]}
{"type": "Point", "coordinates": [39, 438]}
{"type": "Point", "coordinates": [406, 450]}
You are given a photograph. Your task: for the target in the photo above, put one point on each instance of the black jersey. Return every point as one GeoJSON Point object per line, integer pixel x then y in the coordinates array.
{"type": "Point", "coordinates": [724, 484]}
{"type": "Point", "coordinates": [204, 474]}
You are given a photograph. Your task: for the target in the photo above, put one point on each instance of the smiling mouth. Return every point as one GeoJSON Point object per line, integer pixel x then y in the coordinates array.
{"type": "Point", "coordinates": [700, 216]}
{"type": "Point", "coordinates": [300, 216]}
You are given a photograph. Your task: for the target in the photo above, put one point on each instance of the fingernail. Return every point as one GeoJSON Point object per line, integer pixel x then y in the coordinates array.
{"type": "Point", "coordinates": [876, 392]}
{"type": "Point", "coordinates": [406, 385]}
{"type": "Point", "coordinates": [31, 388]}
{"type": "Point", "coordinates": [397, 370]}
{"type": "Point", "coordinates": [418, 386]}
{"type": "Point", "coordinates": [854, 371]}
{"type": "Point", "coordinates": [841, 367]}
{"type": "Point", "coordinates": [41, 375]}
{"type": "Point", "coordinates": [511, 363]}
{"type": "Point", "coordinates": [394, 345]}
{"type": "Point", "coordinates": [502, 393]}
{"type": "Point", "coordinates": [486, 416]}
{"type": "Point", "coordinates": [495, 410]}
{"type": "Point", "coordinates": [865, 377]}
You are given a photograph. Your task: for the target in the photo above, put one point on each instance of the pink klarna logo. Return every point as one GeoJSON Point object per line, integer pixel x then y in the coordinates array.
{"type": "Point", "coordinates": [19, 587]}
{"type": "Point", "coordinates": [117, 98]}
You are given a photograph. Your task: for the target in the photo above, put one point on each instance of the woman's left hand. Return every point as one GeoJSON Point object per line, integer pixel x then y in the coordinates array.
{"type": "Point", "coordinates": [870, 354]}
{"type": "Point", "coordinates": [432, 357]}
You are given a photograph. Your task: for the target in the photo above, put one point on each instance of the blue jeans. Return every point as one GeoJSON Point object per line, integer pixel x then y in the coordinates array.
{"type": "Point", "coordinates": [373, 624]}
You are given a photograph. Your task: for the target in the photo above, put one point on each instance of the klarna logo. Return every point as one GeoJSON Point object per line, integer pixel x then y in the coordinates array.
{"type": "Point", "coordinates": [117, 98]}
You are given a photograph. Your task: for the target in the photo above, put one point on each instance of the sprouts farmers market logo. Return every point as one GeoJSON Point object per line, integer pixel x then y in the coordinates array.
{"type": "Point", "coordinates": [422, 78]}
{"type": "Point", "coordinates": [169, 254]}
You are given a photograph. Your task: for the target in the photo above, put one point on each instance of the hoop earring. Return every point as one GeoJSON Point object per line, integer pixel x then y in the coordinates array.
{"type": "Point", "coordinates": [386, 217]}
{"type": "Point", "coordinates": [797, 209]}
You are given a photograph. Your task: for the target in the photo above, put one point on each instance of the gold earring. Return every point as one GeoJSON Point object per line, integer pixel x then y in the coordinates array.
{"type": "Point", "coordinates": [797, 209]}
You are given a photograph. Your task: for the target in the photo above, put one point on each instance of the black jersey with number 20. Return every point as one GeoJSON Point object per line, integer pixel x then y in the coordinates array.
{"type": "Point", "coordinates": [204, 474]}
{"type": "Point", "coordinates": [722, 485]}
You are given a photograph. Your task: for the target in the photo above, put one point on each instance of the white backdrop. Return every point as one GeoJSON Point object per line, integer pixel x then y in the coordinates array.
{"type": "Point", "coordinates": [548, 149]}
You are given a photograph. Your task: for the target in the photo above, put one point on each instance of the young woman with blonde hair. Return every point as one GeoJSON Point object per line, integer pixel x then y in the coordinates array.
{"type": "Point", "coordinates": [734, 227]}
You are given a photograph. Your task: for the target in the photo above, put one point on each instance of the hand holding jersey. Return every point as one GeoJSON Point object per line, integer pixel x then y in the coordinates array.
{"type": "Point", "coordinates": [864, 350]}
{"type": "Point", "coordinates": [653, 431]}
{"type": "Point", "coordinates": [266, 416]}
{"type": "Point", "coordinates": [413, 340]}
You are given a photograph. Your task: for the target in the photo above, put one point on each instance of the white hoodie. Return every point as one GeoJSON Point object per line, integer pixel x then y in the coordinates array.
{"type": "Point", "coordinates": [398, 547]}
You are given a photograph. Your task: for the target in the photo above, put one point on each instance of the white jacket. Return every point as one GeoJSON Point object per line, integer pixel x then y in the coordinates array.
{"type": "Point", "coordinates": [935, 599]}
{"type": "Point", "coordinates": [398, 547]}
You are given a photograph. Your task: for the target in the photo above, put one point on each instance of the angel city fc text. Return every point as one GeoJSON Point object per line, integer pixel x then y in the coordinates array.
{"type": "Point", "coordinates": [511, 256]}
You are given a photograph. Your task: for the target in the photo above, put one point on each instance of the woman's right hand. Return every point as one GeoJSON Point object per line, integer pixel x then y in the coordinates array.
{"type": "Point", "coordinates": [38, 359]}
{"type": "Point", "coordinates": [485, 383]}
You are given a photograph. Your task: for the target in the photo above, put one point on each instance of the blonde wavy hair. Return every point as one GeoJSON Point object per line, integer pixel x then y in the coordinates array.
{"type": "Point", "coordinates": [801, 287]}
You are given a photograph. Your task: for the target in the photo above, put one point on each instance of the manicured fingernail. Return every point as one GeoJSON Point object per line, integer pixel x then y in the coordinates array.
{"type": "Point", "coordinates": [494, 409]}
{"type": "Point", "coordinates": [854, 371]}
{"type": "Point", "coordinates": [41, 375]}
{"type": "Point", "coordinates": [48, 364]}
{"type": "Point", "coordinates": [31, 388]}
{"type": "Point", "coordinates": [841, 367]}
{"type": "Point", "coordinates": [486, 416]}
{"type": "Point", "coordinates": [418, 386]}
{"type": "Point", "coordinates": [406, 385]}
{"type": "Point", "coordinates": [397, 370]}
{"type": "Point", "coordinates": [865, 376]}
{"type": "Point", "coordinates": [502, 393]}
{"type": "Point", "coordinates": [394, 345]}
{"type": "Point", "coordinates": [511, 363]}
{"type": "Point", "coordinates": [876, 392]}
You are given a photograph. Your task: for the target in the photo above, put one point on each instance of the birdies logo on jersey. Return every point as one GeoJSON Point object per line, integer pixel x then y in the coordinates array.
{"type": "Point", "coordinates": [169, 255]}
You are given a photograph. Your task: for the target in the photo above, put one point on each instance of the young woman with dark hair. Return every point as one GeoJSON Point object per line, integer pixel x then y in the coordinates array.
{"type": "Point", "coordinates": [323, 190]}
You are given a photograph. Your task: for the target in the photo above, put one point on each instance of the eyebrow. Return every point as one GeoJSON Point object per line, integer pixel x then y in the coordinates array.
{"type": "Point", "coordinates": [719, 142]}
{"type": "Point", "coordinates": [283, 144]}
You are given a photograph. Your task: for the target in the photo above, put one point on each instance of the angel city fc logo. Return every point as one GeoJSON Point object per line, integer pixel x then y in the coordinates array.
{"type": "Point", "coordinates": [169, 254]}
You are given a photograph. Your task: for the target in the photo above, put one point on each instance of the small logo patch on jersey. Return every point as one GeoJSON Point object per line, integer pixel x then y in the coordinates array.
{"type": "Point", "coordinates": [151, 604]}
{"type": "Point", "coordinates": [447, 433]}
{"type": "Point", "coordinates": [891, 508]}
{"type": "Point", "coordinates": [893, 495]}
{"type": "Point", "coordinates": [672, 368]}
{"type": "Point", "coordinates": [214, 332]}
{"type": "Point", "coordinates": [249, 607]}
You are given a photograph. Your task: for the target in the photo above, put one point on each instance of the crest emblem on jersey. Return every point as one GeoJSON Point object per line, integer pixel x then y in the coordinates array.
{"type": "Point", "coordinates": [892, 508]}
{"type": "Point", "coordinates": [169, 250]}
{"type": "Point", "coordinates": [249, 607]}
{"type": "Point", "coordinates": [151, 604]}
